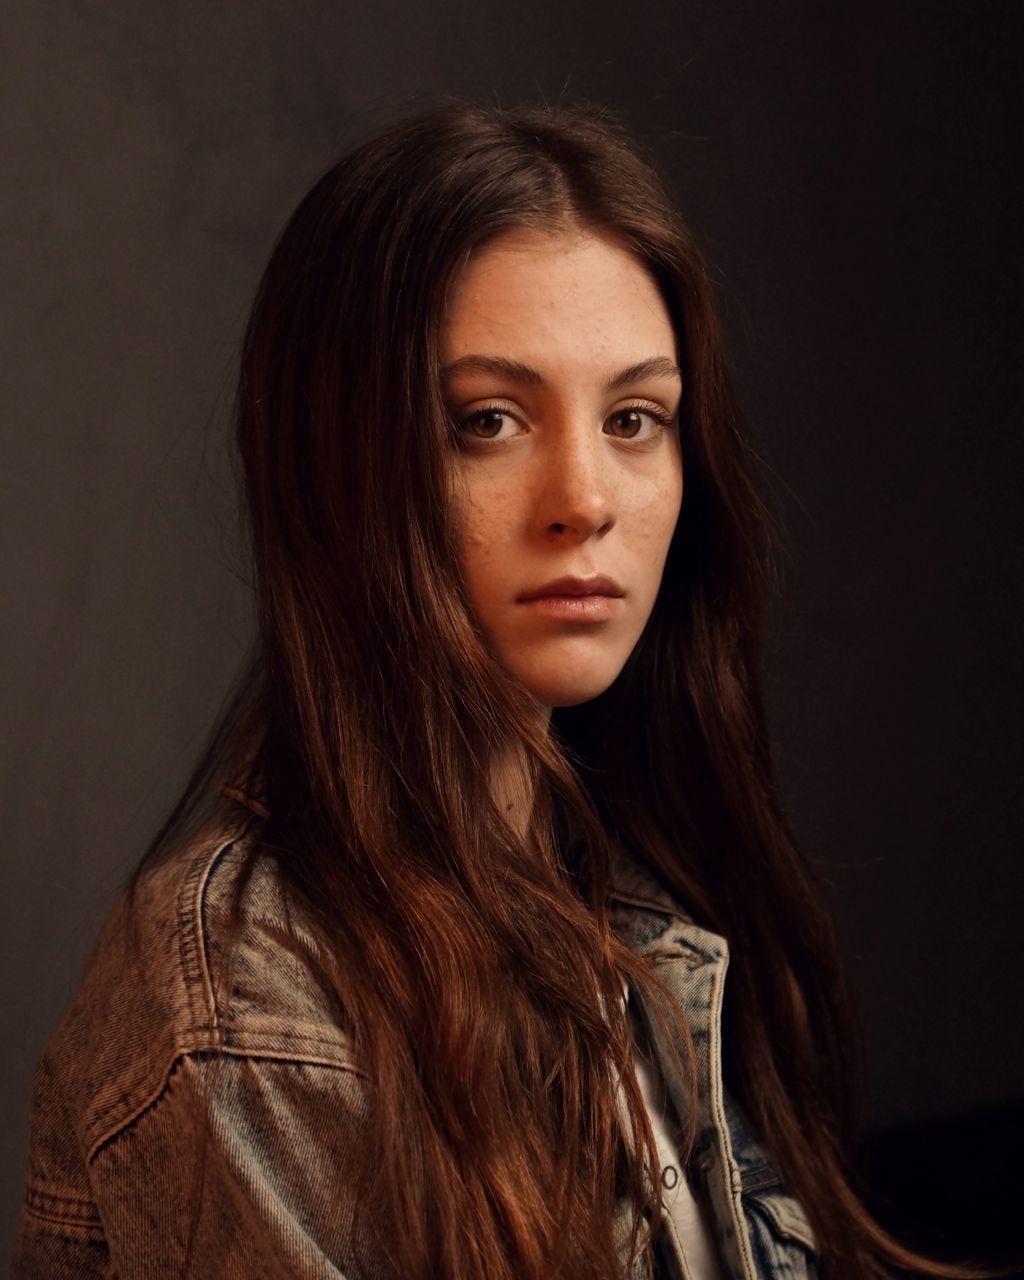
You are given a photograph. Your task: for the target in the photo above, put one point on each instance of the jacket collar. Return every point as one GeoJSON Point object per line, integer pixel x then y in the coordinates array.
{"type": "Point", "coordinates": [631, 883]}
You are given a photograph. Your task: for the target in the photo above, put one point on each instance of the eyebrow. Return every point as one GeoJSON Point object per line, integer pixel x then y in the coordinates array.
{"type": "Point", "coordinates": [655, 367]}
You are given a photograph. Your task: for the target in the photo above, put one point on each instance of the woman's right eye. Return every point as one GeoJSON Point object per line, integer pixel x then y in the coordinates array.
{"type": "Point", "coordinates": [485, 424]}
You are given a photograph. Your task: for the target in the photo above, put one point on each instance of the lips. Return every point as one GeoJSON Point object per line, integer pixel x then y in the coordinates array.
{"type": "Point", "coordinates": [599, 585]}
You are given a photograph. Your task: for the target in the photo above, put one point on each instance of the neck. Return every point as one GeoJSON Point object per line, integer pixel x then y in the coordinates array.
{"type": "Point", "coordinates": [511, 784]}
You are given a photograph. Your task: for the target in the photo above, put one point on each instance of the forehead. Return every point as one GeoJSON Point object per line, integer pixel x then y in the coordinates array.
{"type": "Point", "coordinates": [569, 295]}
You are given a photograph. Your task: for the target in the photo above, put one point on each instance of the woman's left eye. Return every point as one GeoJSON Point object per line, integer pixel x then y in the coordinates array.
{"type": "Point", "coordinates": [633, 418]}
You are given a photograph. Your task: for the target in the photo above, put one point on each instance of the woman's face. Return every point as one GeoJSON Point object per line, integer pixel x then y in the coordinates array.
{"type": "Point", "coordinates": [560, 365]}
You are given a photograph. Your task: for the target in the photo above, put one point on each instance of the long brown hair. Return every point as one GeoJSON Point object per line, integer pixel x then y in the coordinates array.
{"type": "Point", "coordinates": [475, 966]}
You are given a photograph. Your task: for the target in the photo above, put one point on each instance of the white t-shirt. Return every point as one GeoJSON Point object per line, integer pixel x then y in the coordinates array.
{"type": "Point", "coordinates": [688, 1216]}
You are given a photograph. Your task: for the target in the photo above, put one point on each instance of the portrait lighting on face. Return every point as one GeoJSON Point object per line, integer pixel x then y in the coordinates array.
{"type": "Point", "coordinates": [561, 377]}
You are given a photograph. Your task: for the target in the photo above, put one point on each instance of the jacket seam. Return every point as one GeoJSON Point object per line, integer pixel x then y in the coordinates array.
{"type": "Point", "coordinates": [717, 1108]}
{"type": "Point", "coordinates": [271, 1055]}
{"type": "Point", "coordinates": [51, 1206]}
{"type": "Point", "coordinates": [663, 906]}
{"type": "Point", "coordinates": [92, 1227]}
{"type": "Point", "coordinates": [190, 947]}
{"type": "Point", "coordinates": [760, 1179]}
{"type": "Point", "coordinates": [784, 1228]}
{"type": "Point", "coordinates": [192, 935]}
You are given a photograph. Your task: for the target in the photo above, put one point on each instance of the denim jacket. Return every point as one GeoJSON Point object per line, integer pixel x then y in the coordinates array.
{"type": "Point", "coordinates": [113, 1124]}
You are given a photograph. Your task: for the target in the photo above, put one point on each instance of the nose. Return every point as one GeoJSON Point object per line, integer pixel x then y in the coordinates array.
{"type": "Point", "coordinates": [574, 499]}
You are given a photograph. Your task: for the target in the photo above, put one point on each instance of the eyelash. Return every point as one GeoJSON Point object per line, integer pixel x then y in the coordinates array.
{"type": "Point", "coordinates": [663, 419]}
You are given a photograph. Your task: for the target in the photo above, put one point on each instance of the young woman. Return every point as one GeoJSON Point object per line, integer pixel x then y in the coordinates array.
{"type": "Point", "coordinates": [426, 974]}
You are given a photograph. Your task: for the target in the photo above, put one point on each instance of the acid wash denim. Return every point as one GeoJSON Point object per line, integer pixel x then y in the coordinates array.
{"type": "Point", "coordinates": [121, 1086]}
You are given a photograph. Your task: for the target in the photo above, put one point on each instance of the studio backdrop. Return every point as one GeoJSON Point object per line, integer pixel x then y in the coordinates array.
{"type": "Point", "coordinates": [852, 172]}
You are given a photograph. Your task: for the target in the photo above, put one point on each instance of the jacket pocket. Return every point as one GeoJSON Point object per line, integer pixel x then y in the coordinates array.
{"type": "Point", "coordinates": [60, 1237]}
{"type": "Point", "coordinates": [780, 1234]}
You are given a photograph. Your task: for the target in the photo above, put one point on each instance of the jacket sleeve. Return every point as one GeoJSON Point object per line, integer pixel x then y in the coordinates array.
{"type": "Point", "coordinates": [60, 1235]}
{"type": "Point", "coordinates": [236, 1169]}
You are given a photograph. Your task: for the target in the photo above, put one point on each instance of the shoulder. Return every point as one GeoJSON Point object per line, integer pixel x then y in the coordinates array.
{"type": "Point", "coordinates": [201, 1075]}
{"type": "Point", "coordinates": [205, 957]}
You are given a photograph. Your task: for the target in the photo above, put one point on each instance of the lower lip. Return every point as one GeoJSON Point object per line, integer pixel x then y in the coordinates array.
{"type": "Point", "coordinates": [576, 608]}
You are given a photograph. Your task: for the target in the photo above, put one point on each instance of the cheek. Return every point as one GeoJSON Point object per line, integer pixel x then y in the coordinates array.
{"type": "Point", "coordinates": [654, 526]}
{"type": "Point", "coordinates": [657, 512]}
{"type": "Point", "coordinates": [479, 526]}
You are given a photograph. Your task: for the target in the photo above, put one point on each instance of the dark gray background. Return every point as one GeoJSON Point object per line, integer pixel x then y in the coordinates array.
{"type": "Point", "coordinates": [853, 172]}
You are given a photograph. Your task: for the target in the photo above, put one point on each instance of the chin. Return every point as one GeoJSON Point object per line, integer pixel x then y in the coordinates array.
{"type": "Point", "coordinates": [560, 690]}
{"type": "Point", "coordinates": [576, 699]}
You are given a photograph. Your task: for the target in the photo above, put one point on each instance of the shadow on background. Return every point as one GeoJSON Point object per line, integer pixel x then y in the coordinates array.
{"type": "Point", "coordinates": [954, 1188]}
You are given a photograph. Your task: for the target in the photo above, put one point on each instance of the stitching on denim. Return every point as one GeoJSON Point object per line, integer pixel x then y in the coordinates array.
{"type": "Point", "coordinates": [93, 1231]}
{"type": "Point", "coordinates": [676, 951]}
{"type": "Point", "coordinates": [717, 1109]}
{"type": "Point", "coordinates": [191, 945]}
{"type": "Point", "coordinates": [783, 1230]}
{"type": "Point", "coordinates": [311, 1059]}
{"type": "Point", "coordinates": [54, 1207]}
{"type": "Point", "coordinates": [760, 1178]}
{"type": "Point", "coordinates": [665, 906]}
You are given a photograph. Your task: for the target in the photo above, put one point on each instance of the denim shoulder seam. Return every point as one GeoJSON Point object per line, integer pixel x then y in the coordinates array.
{"type": "Point", "coordinates": [311, 1058]}
{"type": "Point", "coordinates": [192, 940]}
